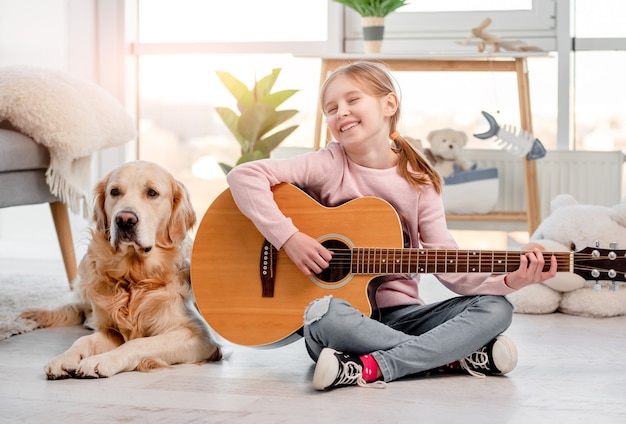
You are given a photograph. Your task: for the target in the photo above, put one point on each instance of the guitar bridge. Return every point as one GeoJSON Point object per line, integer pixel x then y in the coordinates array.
{"type": "Point", "coordinates": [267, 269]}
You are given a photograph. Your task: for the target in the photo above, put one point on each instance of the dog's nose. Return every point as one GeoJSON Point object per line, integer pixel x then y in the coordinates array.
{"type": "Point", "coordinates": [125, 220]}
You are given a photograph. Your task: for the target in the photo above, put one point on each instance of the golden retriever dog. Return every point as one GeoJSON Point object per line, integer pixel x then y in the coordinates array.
{"type": "Point", "coordinates": [133, 285]}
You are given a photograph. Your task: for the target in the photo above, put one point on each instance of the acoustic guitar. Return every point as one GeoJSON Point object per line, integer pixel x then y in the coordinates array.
{"type": "Point", "coordinates": [253, 295]}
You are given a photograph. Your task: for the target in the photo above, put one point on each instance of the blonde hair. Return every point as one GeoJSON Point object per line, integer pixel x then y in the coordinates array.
{"type": "Point", "coordinates": [374, 79]}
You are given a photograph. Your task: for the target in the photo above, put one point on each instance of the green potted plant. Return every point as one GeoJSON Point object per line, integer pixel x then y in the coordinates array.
{"type": "Point", "coordinates": [257, 116]}
{"type": "Point", "coordinates": [373, 14]}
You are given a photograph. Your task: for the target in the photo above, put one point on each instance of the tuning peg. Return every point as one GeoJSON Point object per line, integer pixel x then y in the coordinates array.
{"type": "Point", "coordinates": [597, 243]}
{"type": "Point", "coordinates": [614, 245]}
{"type": "Point", "coordinates": [597, 286]}
{"type": "Point", "coordinates": [613, 287]}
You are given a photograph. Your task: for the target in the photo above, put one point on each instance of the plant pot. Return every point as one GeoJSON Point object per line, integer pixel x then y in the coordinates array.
{"type": "Point", "coordinates": [373, 31]}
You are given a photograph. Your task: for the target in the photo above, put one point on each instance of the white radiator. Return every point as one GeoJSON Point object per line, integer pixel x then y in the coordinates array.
{"type": "Point", "coordinates": [592, 177]}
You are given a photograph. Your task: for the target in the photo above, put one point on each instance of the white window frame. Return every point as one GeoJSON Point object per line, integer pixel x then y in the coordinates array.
{"type": "Point", "coordinates": [421, 32]}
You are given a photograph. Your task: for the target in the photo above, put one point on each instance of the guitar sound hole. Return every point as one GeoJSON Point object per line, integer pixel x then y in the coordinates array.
{"type": "Point", "coordinates": [340, 263]}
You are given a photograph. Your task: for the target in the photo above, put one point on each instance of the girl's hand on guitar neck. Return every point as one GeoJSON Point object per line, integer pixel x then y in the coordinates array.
{"type": "Point", "coordinates": [531, 267]}
{"type": "Point", "coordinates": [307, 253]}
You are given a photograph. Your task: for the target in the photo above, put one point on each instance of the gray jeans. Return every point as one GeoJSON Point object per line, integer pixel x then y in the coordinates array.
{"type": "Point", "coordinates": [408, 339]}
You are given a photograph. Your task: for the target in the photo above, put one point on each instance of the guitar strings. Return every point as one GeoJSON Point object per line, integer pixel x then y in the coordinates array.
{"type": "Point", "coordinates": [371, 258]}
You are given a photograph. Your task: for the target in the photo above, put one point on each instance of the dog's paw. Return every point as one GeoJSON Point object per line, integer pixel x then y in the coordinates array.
{"type": "Point", "coordinates": [96, 367]}
{"type": "Point", "coordinates": [61, 367]}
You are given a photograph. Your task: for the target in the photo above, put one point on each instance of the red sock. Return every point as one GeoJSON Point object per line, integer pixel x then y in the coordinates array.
{"type": "Point", "coordinates": [370, 368]}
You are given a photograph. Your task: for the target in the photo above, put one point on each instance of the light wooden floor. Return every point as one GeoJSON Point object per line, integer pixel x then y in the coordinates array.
{"type": "Point", "coordinates": [570, 370]}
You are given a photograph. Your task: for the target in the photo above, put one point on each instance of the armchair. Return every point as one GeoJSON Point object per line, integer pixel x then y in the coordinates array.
{"type": "Point", "coordinates": [23, 165]}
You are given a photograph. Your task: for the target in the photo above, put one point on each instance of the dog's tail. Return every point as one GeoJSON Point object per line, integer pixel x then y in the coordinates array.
{"type": "Point", "coordinates": [71, 314]}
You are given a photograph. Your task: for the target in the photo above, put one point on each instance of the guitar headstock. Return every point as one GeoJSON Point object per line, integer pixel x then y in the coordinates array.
{"type": "Point", "coordinates": [594, 263]}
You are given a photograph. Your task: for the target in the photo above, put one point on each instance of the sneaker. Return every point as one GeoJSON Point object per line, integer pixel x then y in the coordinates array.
{"type": "Point", "coordinates": [335, 369]}
{"type": "Point", "coordinates": [497, 357]}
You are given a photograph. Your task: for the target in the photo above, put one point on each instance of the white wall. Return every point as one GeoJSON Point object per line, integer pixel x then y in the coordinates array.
{"type": "Point", "coordinates": [68, 35]}
{"type": "Point", "coordinates": [34, 32]}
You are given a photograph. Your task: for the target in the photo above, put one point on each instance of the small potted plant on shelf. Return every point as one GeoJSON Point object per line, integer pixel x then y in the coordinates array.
{"type": "Point", "coordinates": [257, 117]}
{"type": "Point", "coordinates": [373, 14]}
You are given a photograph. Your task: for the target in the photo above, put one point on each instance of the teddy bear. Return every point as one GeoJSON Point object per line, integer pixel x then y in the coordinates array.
{"type": "Point", "coordinates": [572, 226]}
{"type": "Point", "coordinates": [445, 153]}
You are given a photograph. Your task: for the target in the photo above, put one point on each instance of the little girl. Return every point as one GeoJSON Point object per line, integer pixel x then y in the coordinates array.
{"type": "Point", "coordinates": [404, 335]}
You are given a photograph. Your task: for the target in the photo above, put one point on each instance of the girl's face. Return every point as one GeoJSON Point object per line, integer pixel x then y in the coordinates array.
{"type": "Point", "coordinates": [353, 116]}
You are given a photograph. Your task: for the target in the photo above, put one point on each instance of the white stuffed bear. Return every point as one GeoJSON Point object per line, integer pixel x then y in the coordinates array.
{"type": "Point", "coordinates": [574, 226]}
{"type": "Point", "coordinates": [446, 151]}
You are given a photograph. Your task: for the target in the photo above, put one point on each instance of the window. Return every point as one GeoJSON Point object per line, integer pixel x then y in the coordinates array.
{"type": "Point", "coordinates": [179, 127]}
{"type": "Point", "coordinates": [192, 21]}
{"type": "Point", "coordinates": [594, 20]}
{"type": "Point", "coordinates": [178, 89]}
{"type": "Point", "coordinates": [600, 55]}
{"type": "Point", "coordinates": [202, 27]}
{"type": "Point", "coordinates": [181, 46]}
{"type": "Point", "coordinates": [467, 6]}
{"type": "Point", "coordinates": [440, 26]}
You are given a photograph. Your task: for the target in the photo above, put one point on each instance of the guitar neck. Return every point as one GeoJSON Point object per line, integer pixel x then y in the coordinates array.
{"type": "Point", "coordinates": [442, 261]}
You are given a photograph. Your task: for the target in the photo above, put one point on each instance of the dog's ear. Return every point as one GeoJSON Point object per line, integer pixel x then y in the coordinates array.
{"type": "Point", "coordinates": [99, 213]}
{"type": "Point", "coordinates": [183, 215]}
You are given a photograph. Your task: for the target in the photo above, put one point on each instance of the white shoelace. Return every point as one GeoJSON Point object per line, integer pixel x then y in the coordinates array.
{"type": "Point", "coordinates": [351, 373]}
{"type": "Point", "coordinates": [478, 359]}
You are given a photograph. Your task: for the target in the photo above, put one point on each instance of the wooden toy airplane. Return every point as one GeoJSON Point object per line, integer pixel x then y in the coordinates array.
{"type": "Point", "coordinates": [486, 40]}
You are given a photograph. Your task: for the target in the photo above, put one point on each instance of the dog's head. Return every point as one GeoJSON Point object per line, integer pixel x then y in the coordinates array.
{"type": "Point", "coordinates": [141, 205]}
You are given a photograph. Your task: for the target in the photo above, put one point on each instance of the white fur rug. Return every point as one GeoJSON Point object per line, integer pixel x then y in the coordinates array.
{"type": "Point", "coordinates": [24, 291]}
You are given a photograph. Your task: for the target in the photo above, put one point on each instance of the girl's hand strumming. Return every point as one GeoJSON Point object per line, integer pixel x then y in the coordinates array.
{"type": "Point", "coordinates": [307, 253]}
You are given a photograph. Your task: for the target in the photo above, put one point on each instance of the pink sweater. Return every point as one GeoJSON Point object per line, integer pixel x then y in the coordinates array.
{"type": "Point", "coordinates": [331, 178]}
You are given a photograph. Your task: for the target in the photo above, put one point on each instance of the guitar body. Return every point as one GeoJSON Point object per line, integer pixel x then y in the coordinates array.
{"type": "Point", "coordinates": [227, 264]}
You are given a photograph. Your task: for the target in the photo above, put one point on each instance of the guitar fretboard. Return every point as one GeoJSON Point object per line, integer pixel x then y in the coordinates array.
{"type": "Point", "coordinates": [441, 261]}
